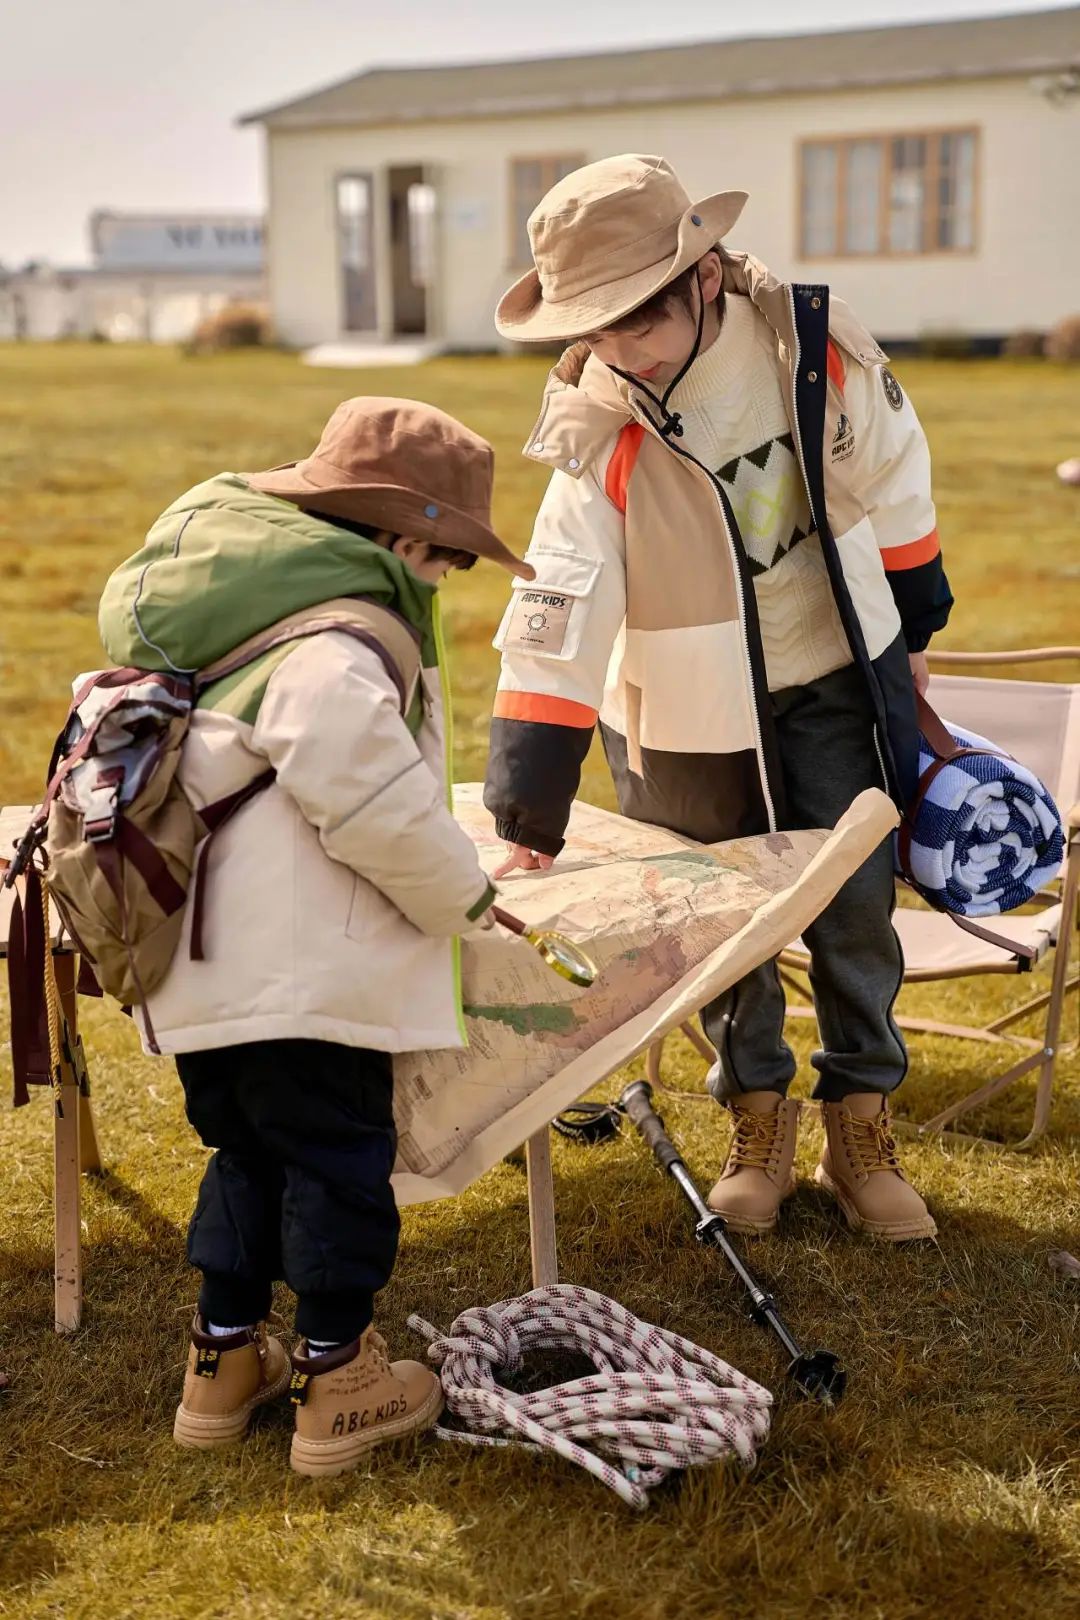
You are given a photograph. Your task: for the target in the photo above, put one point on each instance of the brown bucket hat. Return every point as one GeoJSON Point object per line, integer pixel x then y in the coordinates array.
{"type": "Point", "coordinates": [399, 465]}
{"type": "Point", "coordinates": [604, 240]}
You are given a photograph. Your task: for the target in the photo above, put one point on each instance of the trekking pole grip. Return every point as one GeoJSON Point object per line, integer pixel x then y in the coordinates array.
{"type": "Point", "coordinates": [636, 1103]}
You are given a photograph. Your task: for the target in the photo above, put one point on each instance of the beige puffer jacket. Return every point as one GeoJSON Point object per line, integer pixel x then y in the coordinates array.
{"type": "Point", "coordinates": [333, 897]}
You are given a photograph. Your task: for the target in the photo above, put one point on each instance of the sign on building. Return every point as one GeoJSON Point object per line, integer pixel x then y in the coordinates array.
{"type": "Point", "coordinates": [177, 241]}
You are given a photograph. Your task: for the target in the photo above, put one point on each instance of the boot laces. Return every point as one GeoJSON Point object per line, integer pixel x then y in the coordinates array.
{"type": "Point", "coordinates": [870, 1141]}
{"type": "Point", "coordinates": [757, 1139]}
{"type": "Point", "coordinates": [379, 1348]}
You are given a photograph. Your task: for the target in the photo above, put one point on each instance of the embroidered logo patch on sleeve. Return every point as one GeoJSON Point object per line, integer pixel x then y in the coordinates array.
{"type": "Point", "coordinates": [843, 444]}
{"type": "Point", "coordinates": [893, 392]}
{"type": "Point", "coordinates": [539, 622]}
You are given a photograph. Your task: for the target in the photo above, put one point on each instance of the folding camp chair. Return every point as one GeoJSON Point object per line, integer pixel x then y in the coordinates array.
{"type": "Point", "coordinates": [1039, 723]}
{"type": "Point", "coordinates": [75, 1144]}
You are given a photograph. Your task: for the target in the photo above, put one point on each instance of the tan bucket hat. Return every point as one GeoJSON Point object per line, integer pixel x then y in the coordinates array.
{"type": "Point", "coordinates": [400, 465]}
{"type": "Point", "coordinates": [604, 240]}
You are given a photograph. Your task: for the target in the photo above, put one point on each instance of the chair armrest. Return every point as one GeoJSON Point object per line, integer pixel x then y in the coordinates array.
{"type": "Point", "coordinates": [1072, 820]}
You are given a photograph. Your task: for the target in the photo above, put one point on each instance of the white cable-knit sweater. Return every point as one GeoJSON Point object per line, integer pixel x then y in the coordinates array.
{"type": "Point", "coordinates": [734, 422]}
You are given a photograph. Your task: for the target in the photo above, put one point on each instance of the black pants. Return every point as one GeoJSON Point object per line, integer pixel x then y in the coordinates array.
{"type": "Point", "coordinates": [299, 1187]}
{"type": "Point", "coordinates": [827, 751]}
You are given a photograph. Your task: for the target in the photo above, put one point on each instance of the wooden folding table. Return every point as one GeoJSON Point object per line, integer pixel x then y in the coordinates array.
{"type": "Point", "coordinates": [75, 1144]}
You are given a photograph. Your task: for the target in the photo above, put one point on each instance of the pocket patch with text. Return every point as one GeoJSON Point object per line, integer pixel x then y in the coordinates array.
{"type": "Point", "coordinates": [538, 622]}
{"type": "Point", "coordinates": [546, 616]}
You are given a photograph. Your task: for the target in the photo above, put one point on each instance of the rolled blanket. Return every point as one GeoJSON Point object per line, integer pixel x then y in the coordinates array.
{"type": "Point", "coordinates": [986, 835]}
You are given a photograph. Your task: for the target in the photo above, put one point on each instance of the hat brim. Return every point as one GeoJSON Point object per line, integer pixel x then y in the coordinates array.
{"type": "Point", "coordinates": [526, 316]}
{"type": "Point", "coordinates": [385, 506]}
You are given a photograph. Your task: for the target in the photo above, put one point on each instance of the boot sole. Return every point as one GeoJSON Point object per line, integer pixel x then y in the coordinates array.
{"type": "Point", "coordinates": [203, 1433]}
{"type": "Point", "coordinates": [318, 1459]}
{"type": "Point", "coordinates": [893, 1232]}
{"type": "Point", "coordinates": [746, 1225]}
{"type": "Point", "coordinates": [753, 1225]}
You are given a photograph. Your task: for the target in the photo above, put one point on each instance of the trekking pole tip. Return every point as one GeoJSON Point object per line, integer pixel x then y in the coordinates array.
{"type": "Point", "coordinates": [819, 1376]}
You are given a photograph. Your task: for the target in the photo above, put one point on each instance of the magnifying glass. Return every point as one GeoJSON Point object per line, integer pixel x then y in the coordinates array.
{"type": "Point", "coordinates": [560, 953]}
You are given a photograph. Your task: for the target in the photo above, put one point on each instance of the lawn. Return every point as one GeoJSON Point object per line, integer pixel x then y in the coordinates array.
{"type": "Point", "coordinates": [948, 1483]}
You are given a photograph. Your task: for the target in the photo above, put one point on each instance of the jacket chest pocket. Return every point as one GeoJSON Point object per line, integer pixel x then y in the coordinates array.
{"type": "Point", "coordinates": [546, 617]}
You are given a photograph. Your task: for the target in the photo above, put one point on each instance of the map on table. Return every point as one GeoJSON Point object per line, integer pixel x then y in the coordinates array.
{"type": "Point", "coordinates": [669, 924]}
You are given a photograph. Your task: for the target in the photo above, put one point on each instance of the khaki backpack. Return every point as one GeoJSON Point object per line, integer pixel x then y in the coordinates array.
{"type": "Point", "coordinates": [124, 846]}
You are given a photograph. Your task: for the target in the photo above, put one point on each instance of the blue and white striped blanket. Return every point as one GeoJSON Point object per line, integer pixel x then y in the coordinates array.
{"type": "Point", "coordinates": [987, 835]}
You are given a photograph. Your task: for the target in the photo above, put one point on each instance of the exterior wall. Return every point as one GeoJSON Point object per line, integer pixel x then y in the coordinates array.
{"type": "Point", "coordinates": [1021, 274]}
{"type": "Point", "coordinates": [46, 305]}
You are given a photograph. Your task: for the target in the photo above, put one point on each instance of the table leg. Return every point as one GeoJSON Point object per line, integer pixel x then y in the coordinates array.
{"type": "Point", "coordinates": [67, 1173]}
{"type": "Point", "coordinates": [545, 1268]}
{"type": "Point", "coordinates": [89, 1152]}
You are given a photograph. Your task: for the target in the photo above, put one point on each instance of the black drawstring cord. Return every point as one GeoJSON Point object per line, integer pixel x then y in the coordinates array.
{"type": "Point", "coordinates": [671, 425]}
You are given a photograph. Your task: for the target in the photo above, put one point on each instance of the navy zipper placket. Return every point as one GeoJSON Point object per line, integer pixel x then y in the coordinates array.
{"type": "Point", "coordinates": [821, 522]}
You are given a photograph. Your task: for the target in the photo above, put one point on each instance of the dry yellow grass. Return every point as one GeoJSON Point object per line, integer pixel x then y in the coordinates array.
{"type": "Point", "coordinates": [946, 1485]}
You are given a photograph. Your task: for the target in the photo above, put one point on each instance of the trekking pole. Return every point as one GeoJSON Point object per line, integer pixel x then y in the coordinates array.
{"type": "Point", "coordinates": [816, 1372]}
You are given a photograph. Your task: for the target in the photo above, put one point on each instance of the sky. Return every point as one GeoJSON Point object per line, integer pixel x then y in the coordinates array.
{"type": "Point", "coordinates": [132, 104]}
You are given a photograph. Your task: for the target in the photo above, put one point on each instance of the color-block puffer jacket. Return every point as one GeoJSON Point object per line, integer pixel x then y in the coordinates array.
{"type": "Point", "coordinates": [334, 897]}
{"type": "Point", "coordinates": [642, 613]}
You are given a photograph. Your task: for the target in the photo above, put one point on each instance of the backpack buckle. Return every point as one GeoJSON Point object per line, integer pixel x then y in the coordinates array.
{"type": "Point", "coordinates": [102, 830]}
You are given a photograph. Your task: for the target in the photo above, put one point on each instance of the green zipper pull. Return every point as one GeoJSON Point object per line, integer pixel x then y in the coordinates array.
{"type": "Point", "coordinates": [448, 740]}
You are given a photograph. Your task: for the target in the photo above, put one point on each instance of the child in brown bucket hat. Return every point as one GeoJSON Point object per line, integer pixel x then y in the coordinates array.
{"type": "Point", "coordinates": [737, 573]}
{"type": "Point", "coordinates": [334, 897]}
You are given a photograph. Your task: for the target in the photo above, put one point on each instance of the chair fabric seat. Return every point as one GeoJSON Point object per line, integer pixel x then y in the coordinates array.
{"type": "Point", "coordinates": [933, 944]}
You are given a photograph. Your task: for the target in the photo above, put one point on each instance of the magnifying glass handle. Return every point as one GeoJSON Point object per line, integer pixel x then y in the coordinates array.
{"type": "Point", "coordinates": [515, 924]}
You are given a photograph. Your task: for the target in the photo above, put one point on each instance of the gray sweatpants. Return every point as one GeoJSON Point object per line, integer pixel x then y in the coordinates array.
{"type": "Point", "coordinates": [825, 733]}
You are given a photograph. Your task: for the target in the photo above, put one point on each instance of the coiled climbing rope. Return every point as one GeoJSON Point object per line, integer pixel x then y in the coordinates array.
{"type": "Point", "coordinates": [657, 1402]}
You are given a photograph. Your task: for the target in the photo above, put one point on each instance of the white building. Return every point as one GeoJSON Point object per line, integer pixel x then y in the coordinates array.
{"type": "Point", "coordinates": [154, 277]}
{"type": "Point", "coordinates": [930, 173]}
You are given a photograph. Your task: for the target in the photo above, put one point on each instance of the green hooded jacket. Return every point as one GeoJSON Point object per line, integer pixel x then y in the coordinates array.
{"type": "Point", "coordinates": [226, 561]}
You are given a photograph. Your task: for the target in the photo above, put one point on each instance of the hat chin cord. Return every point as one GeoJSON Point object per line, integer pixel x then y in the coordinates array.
{"type": "Point", "coordinates": [670, 425]}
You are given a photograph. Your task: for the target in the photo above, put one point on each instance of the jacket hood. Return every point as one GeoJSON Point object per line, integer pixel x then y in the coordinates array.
{"type": "Point", "coordinates": [225, 561]}
{"type": "Point", "coordinates": [586, 403]}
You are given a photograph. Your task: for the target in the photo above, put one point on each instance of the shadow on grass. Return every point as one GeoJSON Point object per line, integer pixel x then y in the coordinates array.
{"type": "Point", "coordinates": [961, 1383]}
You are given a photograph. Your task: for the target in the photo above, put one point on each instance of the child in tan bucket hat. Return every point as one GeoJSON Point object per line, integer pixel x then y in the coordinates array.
{"type": "Point", "coordinates": [737, 573]}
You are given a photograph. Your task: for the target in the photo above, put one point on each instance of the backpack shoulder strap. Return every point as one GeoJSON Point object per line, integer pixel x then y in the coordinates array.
{"type": "Point", "coordinates": [391, 638]}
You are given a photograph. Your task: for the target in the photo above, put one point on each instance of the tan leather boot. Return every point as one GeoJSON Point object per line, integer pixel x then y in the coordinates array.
{"type": "Point", "coordinates": [226, 1379]}
{"type": "Point", "coordinates": [758, 1172]}
{"type": "Point", "coordinates": [860, 1167]}
{"type": "Point", "coordinates": [351, 1399]}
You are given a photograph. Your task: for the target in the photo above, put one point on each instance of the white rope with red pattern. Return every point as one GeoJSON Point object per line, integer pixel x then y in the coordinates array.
{"type": "Point", "coordinates": [657, 1402]}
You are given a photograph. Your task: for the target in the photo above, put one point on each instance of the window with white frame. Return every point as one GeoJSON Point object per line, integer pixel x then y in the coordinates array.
{"type": "Point", "coordinates": [879, 195]}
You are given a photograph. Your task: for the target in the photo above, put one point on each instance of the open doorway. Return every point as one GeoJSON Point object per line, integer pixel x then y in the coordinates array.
{"type": "Point", "coordinates": [412, 248]}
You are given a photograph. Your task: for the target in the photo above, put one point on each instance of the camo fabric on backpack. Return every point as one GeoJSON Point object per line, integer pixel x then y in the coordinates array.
{"type": "Point", "coordinates": [124, 845]}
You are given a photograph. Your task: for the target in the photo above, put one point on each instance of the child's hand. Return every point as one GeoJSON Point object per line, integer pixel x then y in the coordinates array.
{"type": "Point", "coordinates": [920, 672]}
{"type": "Point", "coordinates": [520, 858]}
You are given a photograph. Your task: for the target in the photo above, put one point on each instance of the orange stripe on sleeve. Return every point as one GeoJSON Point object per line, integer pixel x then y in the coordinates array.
{"type": "Point", "coordinates": [552, 711]}
{"type": "Point", "coordinates": [835, 365]}
{"type": "Point", "coordinates": [621, 465]}
{"type": "Point", "coordinates": [898, 558]}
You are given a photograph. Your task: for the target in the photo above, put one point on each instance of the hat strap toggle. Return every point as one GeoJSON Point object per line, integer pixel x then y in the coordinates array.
{"type": "Point", "coordinates": [671, 425]}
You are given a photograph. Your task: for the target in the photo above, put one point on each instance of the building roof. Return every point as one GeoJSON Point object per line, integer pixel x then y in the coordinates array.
{"type": "Point", "coordinates": [1031, 42]}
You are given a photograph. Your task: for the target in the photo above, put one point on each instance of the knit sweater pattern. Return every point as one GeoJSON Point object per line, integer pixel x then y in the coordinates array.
{"type": "Point", "coordinates": [735, 423]}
